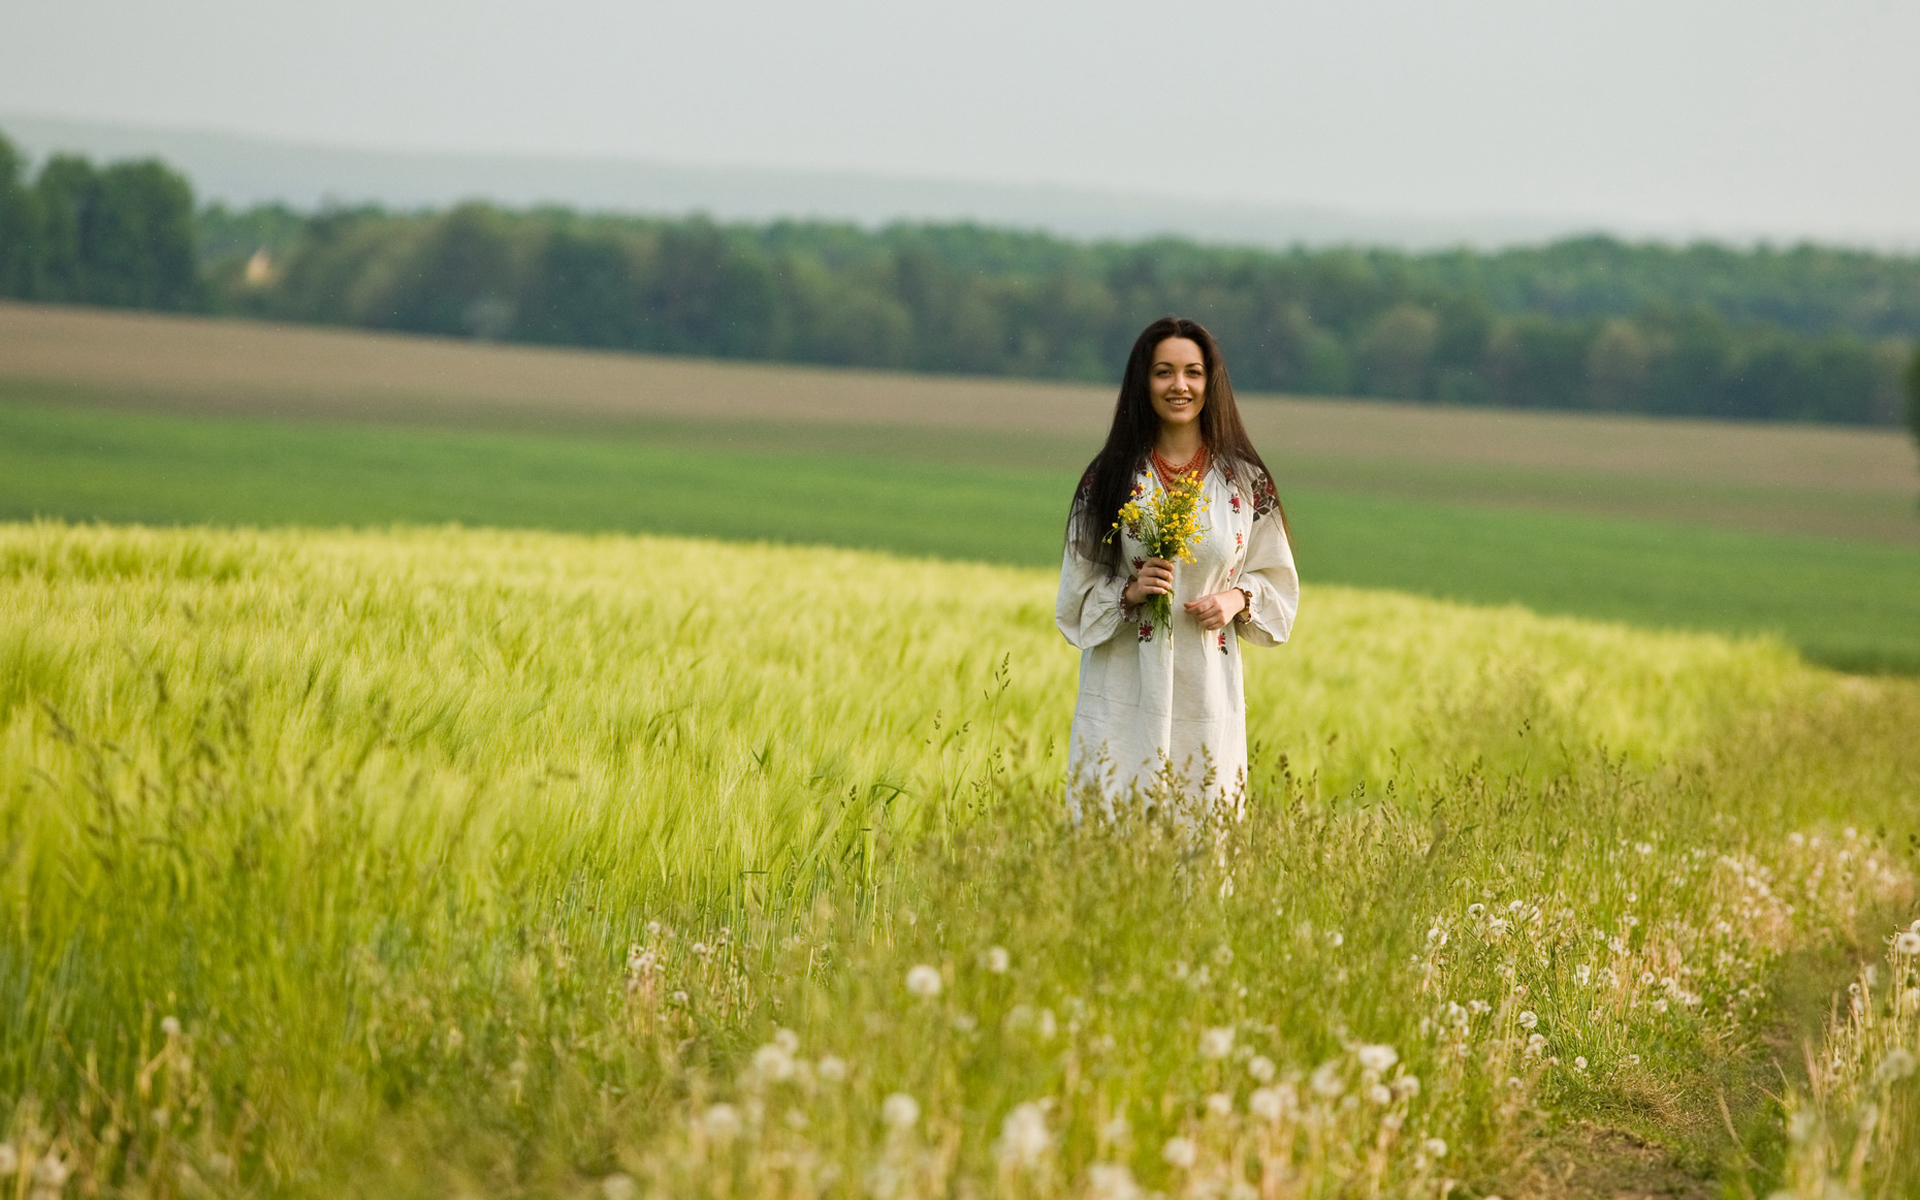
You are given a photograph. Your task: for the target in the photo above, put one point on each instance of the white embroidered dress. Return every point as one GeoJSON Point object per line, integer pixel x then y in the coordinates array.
{"type": "Point", "coordinates": [1159, 700]}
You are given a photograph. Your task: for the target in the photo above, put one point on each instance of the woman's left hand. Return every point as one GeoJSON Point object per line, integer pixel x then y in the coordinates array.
{"type": "Point", "coordinates": [1213, 612]}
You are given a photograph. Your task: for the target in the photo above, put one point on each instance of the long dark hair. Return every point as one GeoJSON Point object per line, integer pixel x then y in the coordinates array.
{"type": "Point", "coordinates": [1109, 479]}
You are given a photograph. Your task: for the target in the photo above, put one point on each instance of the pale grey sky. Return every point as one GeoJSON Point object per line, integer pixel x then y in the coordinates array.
{"type": "Point", "coordinates": [1737, 117]}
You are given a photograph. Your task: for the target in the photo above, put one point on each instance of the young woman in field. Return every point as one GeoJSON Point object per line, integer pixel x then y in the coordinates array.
{"type": "Point", "coordinates": [1161, 717]}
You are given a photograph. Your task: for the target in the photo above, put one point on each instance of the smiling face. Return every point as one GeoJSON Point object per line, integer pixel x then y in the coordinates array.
{"type": "Point", "coordinates": [1177, 382]}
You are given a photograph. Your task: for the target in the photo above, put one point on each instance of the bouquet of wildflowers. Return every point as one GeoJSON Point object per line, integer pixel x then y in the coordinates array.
{"type": "Point", "coordinates": [1167, 525]}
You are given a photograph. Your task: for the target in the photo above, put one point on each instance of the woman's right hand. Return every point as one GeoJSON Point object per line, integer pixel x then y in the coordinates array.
{"type": "Point", "coordinates": [1155, 579]}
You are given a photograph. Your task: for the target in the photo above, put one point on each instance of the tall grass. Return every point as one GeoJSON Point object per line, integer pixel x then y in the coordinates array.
{"type": "Point", "coordinates": [434, 862]}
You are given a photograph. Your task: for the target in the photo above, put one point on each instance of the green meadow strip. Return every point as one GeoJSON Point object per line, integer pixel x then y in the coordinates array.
{"type": "Point", "coordinates": [1854, 605]}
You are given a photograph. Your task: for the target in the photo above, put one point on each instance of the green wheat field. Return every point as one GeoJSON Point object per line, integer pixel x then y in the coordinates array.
{"type": "Point", "coordinates": [406, 811]}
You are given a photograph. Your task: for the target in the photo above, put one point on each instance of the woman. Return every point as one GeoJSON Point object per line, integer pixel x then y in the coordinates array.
{"type": "Point", "coordinates": [1161, 717]}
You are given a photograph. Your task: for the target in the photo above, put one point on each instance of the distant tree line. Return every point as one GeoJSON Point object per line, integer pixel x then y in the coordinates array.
{"type": "Point", "coordinates": [959, 298]}
{"type": "Point", "coordinates": [122, 235]}
{"type": "Point", "coordinates": [1806, 333]}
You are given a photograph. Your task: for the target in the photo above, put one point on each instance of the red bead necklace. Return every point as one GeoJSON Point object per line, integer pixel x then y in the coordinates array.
{"type": "Point", "coordinates": [1197, 465]}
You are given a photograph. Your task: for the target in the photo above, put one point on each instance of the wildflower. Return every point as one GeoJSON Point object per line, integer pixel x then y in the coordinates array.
{"type": "Point", "coordinates": [619, 1187]}
{"type": "Point", "coordinates": [1111, 1181]}
{"type": "Point", "coordinates": [1528, 1019]}
{"type": "Point", "coordinates": [1180, 1152]}
{"type": "Point", "coordinates": [1024, 1140]}
{"type": "Point", "coordinates": [721, 1122]}
{"type": "Point", "coordinates": [1220, 1104]}
{"type": "Point", "coordinates": [1437, 1147]}
{"type": "Point", "coordinates": [899, 1111]}
{"type": "Point", "coordinates": [924, 981]}
{"type": "Point", "coordinates": [1271, 1103]}
{"type": "Point", "coordinates": [1898, 1064]}
{"type": "Point", "coordinates": [773, 1063]}
{"type": "Point", "coordinates": [1326, 1079]}
{"type": "Point", "coordinates": [998, 960]}
{"type": "Point", "coordinates": [1217, 1042]}
{"type": "Point", "coordinates": [1907, 943]}
{"type": "Point", "coordinates": [170, 1026]}
{"type": "Point", "coordinates": [1261, 1068]}
{"type": "Point", "coordinates": [1377, 1057]}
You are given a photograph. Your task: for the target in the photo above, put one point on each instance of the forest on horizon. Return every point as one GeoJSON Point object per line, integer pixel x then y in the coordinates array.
{"type": "Point", "coordinates": [1806, 332]}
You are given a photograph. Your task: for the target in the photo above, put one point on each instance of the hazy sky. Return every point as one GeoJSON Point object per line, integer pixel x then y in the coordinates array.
{"type": "Point", "coordinates": [1729, 116]}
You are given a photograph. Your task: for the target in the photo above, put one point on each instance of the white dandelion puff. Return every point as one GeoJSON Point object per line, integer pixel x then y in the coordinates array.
{"type": "Point", "coordinates": [1327, 1081]}
{"type": "Point", "coordinates": [1180, 1152]}
{"type": "Point", "coordinates": [1376, 1057]}
{"type": "Point", "coordinates": [1898, 1064]}
{"type": "Point", "coordinates": [1024, 1139]}
{"type": "Point", "coordinates": [721, 1122]}
{"type": "Point", "coordinates": [1907, 943]}
{"type": "Point", "coordinates": [1111, 1181]}
{"type": "Point", "coordinates": [1261, 1068]}
{"type": "Point", "coordinates": [924, 981]}
{"type": "Point", "coordinates": [1580, 1062]}
{"type": "Point", "coordinates": [619, 1187]}
{"type": "Point", "coordinates": [1217, 1042]}
{"type": "Point", "coordinates": [1220, 1104]}
{"type": "Point", "coordinates": [831, 1069]}
{"type": "Point", "coordinates": [998, 960]}
{"type": "Point", "coordinates": [900, 1111]}
{"type": "Point", "coordinates": [1529, 1018]}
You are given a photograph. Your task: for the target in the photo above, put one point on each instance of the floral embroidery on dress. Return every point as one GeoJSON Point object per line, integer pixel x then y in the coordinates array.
{"type": "Point", "coordinates": [1239, 540]}
{"type": "Point", "coordinates": [1146, 631]}
{"type": "Point", "coordinates": [1233, 501]}
{"type": "Point", "coordinates": [1137, 564]}
{"type": "Point", "coordinates": [1265, 498]}
{"type": "Point", "coordinates": [1223, 641]}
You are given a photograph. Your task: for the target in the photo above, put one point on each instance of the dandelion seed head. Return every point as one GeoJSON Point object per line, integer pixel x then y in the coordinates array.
{"type": "Point", "coordinates": [1271, 1103]}
{"type": "Point", "coordinates": [1907, 943]}
{"type": "Point", "coordinates": [1220, 1104]}
{"type": "Point", "coordinates": [1580, 1062]}
{"type": "Point", "coordinates": [170, 1026]}
{"type": "Point", "coordinates": [998, 960]}
{"type": "Point", "coordinates": [1180, 1153]}
{"type": "Point", "coordinates": [721, 1122]}
{"type": "Point", "coordinates": [924, 981]}
{"type": "Point", "coordinates": [1380, 1094]}
{"type": "Point", "coordinates": [1898, 1064]}
{"type": "Point", "coordinates": [1261, 1068]}
{"type": "Point", "coordinates": [1217, 1042]}
{"type": "Point", "coordinates": [1326, 1079]}
{"type": "Point", "coordinates": [773, 1063]}
{"type": "Point", "coordinates": [9, 1158]}
{"type": "Point", "coordinates": [1528, 1019]}
{"type": "Point", "coordinates": [1378, 1058]}
{"type": "Point", "coordinates": [900, 1111]}
{"type": "Point", "coordinates": [1119, 1129]}
{"type": "Point", "coordinates": [1437, 1147]}
{"type": "Point", "coordinates": [1111, 1181]}
{"type": "Point", "coordinates": [619, 1187]}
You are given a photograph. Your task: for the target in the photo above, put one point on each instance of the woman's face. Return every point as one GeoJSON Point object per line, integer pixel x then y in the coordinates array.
{"type": "Point", "coordinates": [1177, 382]}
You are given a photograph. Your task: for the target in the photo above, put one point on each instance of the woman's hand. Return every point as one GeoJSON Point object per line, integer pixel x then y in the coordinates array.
{"type": "Point", "coordinates": [1155, 578]}
{"type": "Point", "coordinates": [1213, 612]}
